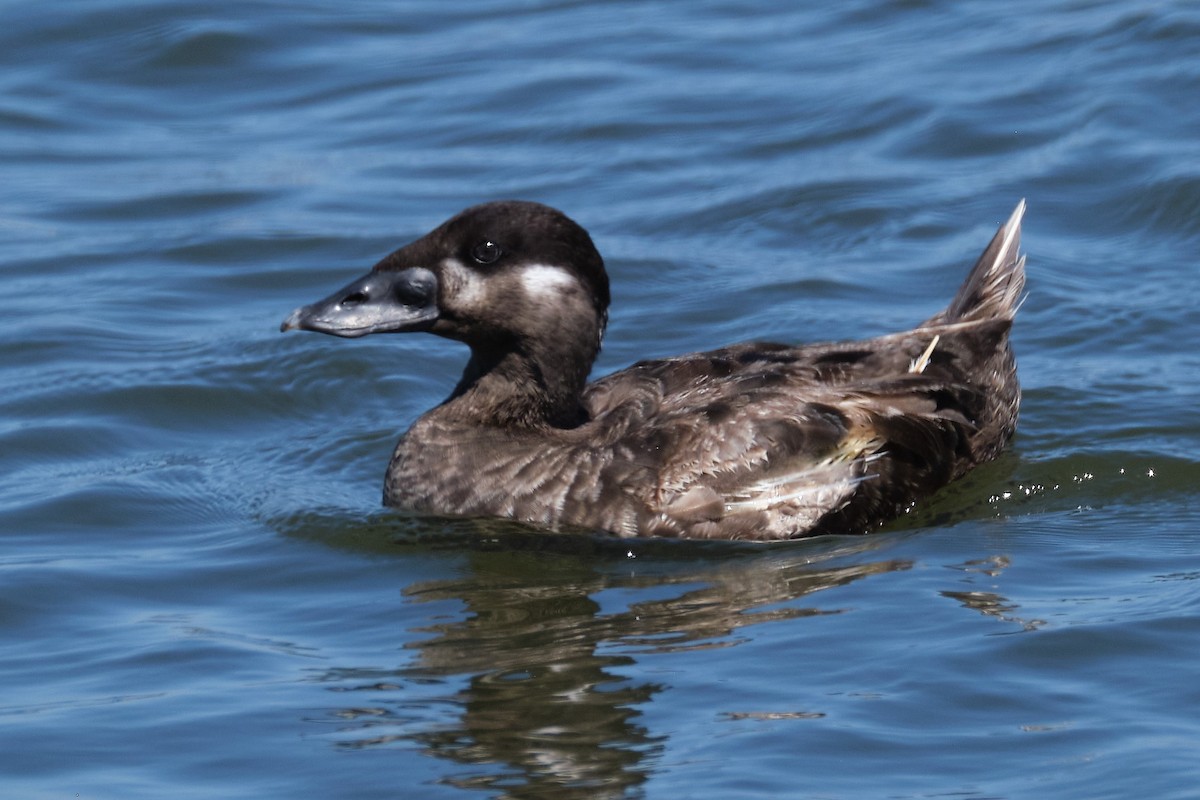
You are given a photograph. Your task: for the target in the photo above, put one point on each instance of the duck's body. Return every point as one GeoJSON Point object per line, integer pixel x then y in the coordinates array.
{"type": "Point", "coordinates": [753, 441]}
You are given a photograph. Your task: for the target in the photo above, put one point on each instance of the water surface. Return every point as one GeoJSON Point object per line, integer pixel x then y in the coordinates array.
{"type": "Point", "coordinates": [200, 595]}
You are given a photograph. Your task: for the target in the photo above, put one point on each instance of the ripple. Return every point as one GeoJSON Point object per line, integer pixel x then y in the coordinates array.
{"type": "Point", "coordinates": [194, 547]}
{"type": "Point", "coordinates": [1079, 482]}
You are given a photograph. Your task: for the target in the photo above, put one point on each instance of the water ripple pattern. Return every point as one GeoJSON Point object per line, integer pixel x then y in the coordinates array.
{"type": "Point", "coordinates": [200, 595]}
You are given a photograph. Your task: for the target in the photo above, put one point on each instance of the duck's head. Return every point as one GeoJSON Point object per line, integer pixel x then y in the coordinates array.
{"type": "Point", "coordinates": [519, 282]}
{"type": "Point", "coordinates": [493, 276]}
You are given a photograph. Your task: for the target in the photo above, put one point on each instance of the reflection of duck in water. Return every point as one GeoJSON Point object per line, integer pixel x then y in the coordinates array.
{"type": "Point", "coordinates": [753, 441]}
{"type": "Point", "coordinates": [532, 672]}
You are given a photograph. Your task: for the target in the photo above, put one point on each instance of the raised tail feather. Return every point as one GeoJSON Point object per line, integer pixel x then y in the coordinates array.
{"type": "Point", "coordinates": [993, 288]}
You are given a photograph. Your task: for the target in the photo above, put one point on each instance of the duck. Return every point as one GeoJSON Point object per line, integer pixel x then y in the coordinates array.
{"type": "Point", "coordinates": [758, 441]}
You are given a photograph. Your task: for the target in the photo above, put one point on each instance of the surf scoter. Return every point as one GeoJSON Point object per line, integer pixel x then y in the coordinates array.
{"type": "Point", "coordinates": [753, 441]}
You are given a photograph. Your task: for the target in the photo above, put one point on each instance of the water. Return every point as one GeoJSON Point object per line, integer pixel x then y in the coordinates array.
{"type": "Point", "coordinates": [200, 596]}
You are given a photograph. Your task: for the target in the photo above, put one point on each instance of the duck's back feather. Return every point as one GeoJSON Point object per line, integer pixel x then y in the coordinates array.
{"type": "Point", "coordinates": [795, 440]}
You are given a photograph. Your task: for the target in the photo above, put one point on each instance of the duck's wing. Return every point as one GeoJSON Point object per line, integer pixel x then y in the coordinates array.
{"type": "Point", "coordinates": [771, 441]}
{"type": "Point", "coordinates": [764, 441]}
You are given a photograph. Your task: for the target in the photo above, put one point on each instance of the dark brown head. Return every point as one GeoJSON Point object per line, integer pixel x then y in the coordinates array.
{"type": "Point", "coordinates": [497, 271]}
{"type": "Point", "coordinates": [519, 282]}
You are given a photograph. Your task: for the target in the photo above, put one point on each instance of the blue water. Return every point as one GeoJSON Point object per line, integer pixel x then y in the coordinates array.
{"type": "Point", "coordinates": [199, 594]}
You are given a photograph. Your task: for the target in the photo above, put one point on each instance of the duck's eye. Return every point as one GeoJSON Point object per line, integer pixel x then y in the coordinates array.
{"type": "Point", "coordinates": [486, 252]}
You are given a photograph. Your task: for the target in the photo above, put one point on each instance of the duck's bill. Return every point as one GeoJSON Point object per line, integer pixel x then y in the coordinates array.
{"type": "Point", "coordinates": [379, 302]}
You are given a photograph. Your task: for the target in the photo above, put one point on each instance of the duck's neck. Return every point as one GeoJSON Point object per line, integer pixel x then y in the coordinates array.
{"type": "Point", "coordinates": [530, 385]}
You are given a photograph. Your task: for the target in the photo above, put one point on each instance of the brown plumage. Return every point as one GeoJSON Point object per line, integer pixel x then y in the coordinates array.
{"type": "Point", "coordinates": [752, 441]}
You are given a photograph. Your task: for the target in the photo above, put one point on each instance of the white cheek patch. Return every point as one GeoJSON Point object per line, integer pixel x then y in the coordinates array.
{"type": "Point", "coordinates": [466, 285]}
{"type": "Point", "coordinates": [546, 281]}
